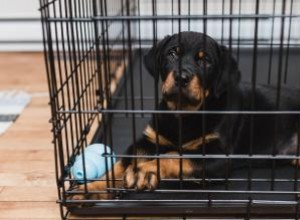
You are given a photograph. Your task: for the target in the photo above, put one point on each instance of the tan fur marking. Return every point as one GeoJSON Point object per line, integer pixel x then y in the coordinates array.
{"type": "Point", "coordinates": [194, 144]}
{"type": "Point", "coordinates": [169, 168]}
{"type": "Point", "coordinates": [171, 105]}
{"type": "Point", "coordinates": [296, 163]}
{"type": "Point", "coordinates": [196, 90]}
{"type": "Point", "coordinates": [201, 55]}
{"type": "Point", "coordinates": [191, 145]}
{"type": "Point", "coordinates": [129, 177]}
{"type": "Point", "coordinates": [102, 185]}
{"type": "Point", "coordinates": [152, 135]}
{"type": "Point", "coordinates": [168, 83]}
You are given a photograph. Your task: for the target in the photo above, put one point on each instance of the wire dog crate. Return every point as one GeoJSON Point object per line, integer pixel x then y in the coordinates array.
{"type": "Point", "coordinates": [100, 91]}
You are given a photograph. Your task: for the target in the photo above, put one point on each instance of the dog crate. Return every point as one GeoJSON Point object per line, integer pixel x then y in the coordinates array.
{"type": "Point", "coordinates": [100, 92]}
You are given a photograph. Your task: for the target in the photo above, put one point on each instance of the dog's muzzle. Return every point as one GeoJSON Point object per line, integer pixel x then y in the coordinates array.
{"type": "Point", "coordinates": [183, 91]}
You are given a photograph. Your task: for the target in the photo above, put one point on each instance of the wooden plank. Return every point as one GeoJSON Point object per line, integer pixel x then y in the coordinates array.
{"type": "Point", "coordinates": [29, 210]}
{"type": "Point", "coordinates": [28, 193]}
{"type": "Point", "coordinates": [25, 71]}
{"type": "Point", "coordinates": [26, 144]}
{"type": "Point", "coordinates": [25, 155]}
{"type": "Point", "coordinates": [27, 166]}
{"type": "Point", "coordinates": [32, 178]}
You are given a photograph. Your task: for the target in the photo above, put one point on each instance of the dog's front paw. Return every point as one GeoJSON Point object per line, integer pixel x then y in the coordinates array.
{"type": "Point", "coordinates": [142, 178]}
{"type": "Point", "coordinates": [75, 193]}
{"type": "Point", "coordinates": [94, 191]}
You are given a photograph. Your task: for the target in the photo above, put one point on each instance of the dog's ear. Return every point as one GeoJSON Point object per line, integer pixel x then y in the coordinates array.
{"type": "Point", "coordinates": [152, 59]}
{"type": "Point", "coordinates": [228, 73]}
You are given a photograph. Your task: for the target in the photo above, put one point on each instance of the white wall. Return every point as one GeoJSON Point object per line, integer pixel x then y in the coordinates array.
{"type": "Point", "coordinates": [13, 31]}
{"type": "Point", "coordinates": [28, 34]}
{"type": "Point", "coordinates": [246, 29]}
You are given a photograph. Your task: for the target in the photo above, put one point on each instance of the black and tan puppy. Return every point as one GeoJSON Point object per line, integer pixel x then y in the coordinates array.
{"type": "Point", "coordinates": [199, 74]}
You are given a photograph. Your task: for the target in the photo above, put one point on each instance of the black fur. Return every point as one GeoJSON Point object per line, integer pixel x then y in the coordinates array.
{"type": "Point", "coordinates": [239, 133]}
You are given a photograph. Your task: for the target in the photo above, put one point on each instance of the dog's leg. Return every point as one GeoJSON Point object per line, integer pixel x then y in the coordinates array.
{"type": "Point", "coordinates": [147, 174]}
{"type": "Point", "coordinates": [102, 185]}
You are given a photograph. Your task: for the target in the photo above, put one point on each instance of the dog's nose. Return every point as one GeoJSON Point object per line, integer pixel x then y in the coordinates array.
{"type": "Point", "coordinates": [182, 79]}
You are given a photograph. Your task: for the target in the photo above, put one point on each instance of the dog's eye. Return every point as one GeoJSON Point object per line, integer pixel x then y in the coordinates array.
{"type": "Point", "coordinates": [174, 52]}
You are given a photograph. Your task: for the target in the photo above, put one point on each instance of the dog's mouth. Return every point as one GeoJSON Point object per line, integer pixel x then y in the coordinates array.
{"type": "Point", "coordinates": [183, 100]}
{"type": "Point", "coordinates": [188, 97]}
{"type": "Point", "coordinates": [180, 95]}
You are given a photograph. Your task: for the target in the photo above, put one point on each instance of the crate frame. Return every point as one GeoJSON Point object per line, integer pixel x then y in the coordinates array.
{"type": "Point", "coordinates": [84, 54]}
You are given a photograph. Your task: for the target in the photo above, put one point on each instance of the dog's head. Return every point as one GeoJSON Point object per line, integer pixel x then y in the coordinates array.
{"type": "Point", "coordinates": [192, 67]}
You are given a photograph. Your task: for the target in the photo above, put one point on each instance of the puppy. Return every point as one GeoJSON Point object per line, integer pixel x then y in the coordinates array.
{"type": "Point", "coordinates": [199, 74]}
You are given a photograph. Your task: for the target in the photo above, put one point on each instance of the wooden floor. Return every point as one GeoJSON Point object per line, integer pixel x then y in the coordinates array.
{"type": "Point", "coordinates": [27, 177]}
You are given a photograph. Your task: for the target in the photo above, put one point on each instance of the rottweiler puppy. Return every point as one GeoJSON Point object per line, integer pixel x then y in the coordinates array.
{"type": "Point", "coordinates": [198, 74]}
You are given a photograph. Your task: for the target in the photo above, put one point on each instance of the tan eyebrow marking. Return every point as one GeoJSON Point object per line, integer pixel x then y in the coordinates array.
{"type": "Point", "coordinates": [201, 54]}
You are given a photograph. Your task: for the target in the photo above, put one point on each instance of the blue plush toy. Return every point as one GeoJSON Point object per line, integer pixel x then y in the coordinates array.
{"type": "Point", "coordinates": [95, 165]}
